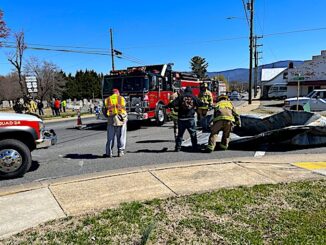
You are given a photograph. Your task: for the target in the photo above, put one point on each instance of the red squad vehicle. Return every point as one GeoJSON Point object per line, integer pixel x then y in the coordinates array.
{"type": "Point", "coordinates": [20, 134]}
{"type": "Point", "coordinates": [146, 90]}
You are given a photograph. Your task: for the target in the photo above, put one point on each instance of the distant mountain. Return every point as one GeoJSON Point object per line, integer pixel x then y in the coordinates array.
{"type": "Point", "coordinates": [242, 74]}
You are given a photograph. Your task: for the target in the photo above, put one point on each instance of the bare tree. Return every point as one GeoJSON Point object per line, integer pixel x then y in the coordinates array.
{"type": "Point", "coordinates": [16, 58]}
{"type": "Point", "coordinates": [9, 87]}
{"type": "Point", "coordinates": [50, 81]}
{"type": "Point", "coordinates": [4, 31]}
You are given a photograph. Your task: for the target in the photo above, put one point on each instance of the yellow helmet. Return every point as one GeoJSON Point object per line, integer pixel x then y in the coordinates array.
{"type": "Point", "coordinates": [222, 97]}
{"type": "Point", "coordinates": [204, 85]}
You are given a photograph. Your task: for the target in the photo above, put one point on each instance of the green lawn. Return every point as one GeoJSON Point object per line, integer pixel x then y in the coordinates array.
{"type": "Point", "coordinates": [292, 213]}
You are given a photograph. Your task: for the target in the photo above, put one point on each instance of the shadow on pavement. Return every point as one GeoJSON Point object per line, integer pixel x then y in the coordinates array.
{"type": "Point", "coordinates": [35, 165]}
{"type": "Point", "coordinates": [163, 150]}
{"type": "Point", "coordinates": [102, 126]}
{"type": "Point", "coordinates": [83, 156]}
{"type": "Point", "coordinates": [154, 141]}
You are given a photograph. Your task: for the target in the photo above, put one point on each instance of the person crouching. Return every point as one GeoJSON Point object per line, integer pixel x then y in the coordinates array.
{"type": "Point", "coordinates": [224, 117]}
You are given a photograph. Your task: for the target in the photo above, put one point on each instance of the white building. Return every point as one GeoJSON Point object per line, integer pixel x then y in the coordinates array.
{"type": "Point", "coordinates": [270, 77]}
{"type": "Point", "coordinates": [313, 75]}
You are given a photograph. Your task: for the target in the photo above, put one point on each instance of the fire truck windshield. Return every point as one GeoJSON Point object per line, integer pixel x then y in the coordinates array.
{"type": "Point", "coordinates": [125, 84]}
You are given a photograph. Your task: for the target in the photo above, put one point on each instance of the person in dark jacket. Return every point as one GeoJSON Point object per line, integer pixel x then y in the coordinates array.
{"type": "Point", "coordinates": [187, 104]}
{"type": "Point", "coordinates": [40, 107]}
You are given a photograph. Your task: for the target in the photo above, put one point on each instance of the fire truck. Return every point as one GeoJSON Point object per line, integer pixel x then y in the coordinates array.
{"type": "Point", "coordinates": [185, 79]}
{"type": "Point", "coordinates": [147, 90]}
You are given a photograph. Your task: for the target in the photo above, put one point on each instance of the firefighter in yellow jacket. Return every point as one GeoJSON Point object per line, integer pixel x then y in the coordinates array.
{"type": "Point", "coordinates": [206, 97]}
{"type": "Point", "coordinates": [117, 123]}
{"type": "Point", "coordinates": [224, 118]}
{"type": "Point", "coordinates": [174, 112]}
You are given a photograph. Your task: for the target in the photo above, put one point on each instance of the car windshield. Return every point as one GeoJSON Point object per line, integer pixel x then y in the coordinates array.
{"type": "Point", "coordinates": [125, 84]}
{"type": "Point", "coordinates": [310, 94]}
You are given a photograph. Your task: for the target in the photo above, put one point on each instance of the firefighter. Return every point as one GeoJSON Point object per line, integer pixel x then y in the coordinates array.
{"type": "Point", "coordinates": [206, 97]}
{"type": "Point", "coordinates": [174, 112]}
{"type": "Point", "coordinates": [186, 104]}
{"type": "Point", "coordinates": [224, 118]}
{"type": "Point", "coordinates": [117, 123]}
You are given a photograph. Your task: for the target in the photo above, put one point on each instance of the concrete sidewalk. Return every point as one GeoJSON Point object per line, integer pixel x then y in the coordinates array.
{"type": "Point", "coordinates": [28, 205]}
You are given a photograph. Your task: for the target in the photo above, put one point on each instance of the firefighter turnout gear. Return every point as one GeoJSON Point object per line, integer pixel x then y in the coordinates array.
{"type": "Point", "coordinates": [206, 97]}
{"type": "Point", "coordinates": [174, 114]}
{"type": "Point", "coordinates": [186, 104]}
{"type": "Point", "coordinates": [117, 123]}
{"type": "Point", "coordinates": [224, 117]}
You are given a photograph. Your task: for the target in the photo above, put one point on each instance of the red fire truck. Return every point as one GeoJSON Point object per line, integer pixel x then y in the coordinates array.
{"type": "Point", "coordinates": [185, 79]}
{"type": "Point", "coordinates": [146, 90]}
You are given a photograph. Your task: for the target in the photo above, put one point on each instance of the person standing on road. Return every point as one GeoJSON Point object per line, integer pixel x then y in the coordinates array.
{"type": "Point", "coordinates": [64, 105]}
{"type": "Point", "coordinates": [206, 97]}
{"type": "Point", "coordinates": [174, 112]}
{"type": "Point", "coordinates": [186, 104]}
{"type": "Point", "coordinates": [224, 117]}
{"type": "Point", "coordinates": [51, 103]}
{"type": "Point", "coordinates": [57, 105]}
{"type": "Point", "coordinates": [117, 123]}
{"type": "Point", "coordinates": [40, 107]}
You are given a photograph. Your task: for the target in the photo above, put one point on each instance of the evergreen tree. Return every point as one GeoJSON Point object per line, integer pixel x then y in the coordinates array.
{"type": "Point", "coordinates": [84, 85]}
{"type": "Point", "coordinates": [199, 66]}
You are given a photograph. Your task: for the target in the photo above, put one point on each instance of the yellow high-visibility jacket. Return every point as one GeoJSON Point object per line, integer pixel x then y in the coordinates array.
{"type": "Point", "coordinates": [115, 104]}
{"type": "Point", "coordinates": [224, 110]}
{"type": "Point", "coordinates": [207, 98]}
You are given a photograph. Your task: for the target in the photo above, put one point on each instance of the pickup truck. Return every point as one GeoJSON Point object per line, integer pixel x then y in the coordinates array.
{"type": "Point", "coordinates": [316, 101]}
{"type": "Point", "coordinates": [20, 134]}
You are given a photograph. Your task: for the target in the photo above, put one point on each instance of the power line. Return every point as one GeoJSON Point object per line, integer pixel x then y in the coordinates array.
{"type": "Point", "coordinates": [295, 31]}
{"type": "Point", "coordinates": [183, 43]}
{"type": "Point", "coordinates": [245, 10]}
{"type": "Point", "coordinates": [97, 51]}
{"type": "Point", "coordinates": [78, 52]}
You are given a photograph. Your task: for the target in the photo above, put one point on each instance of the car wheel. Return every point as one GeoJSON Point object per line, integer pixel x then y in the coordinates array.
{"type": "Point", "coordinates": [15, 158]}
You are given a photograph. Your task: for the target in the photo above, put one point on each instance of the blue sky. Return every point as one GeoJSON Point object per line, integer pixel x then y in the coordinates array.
{"type": "Point", "coordinates": [154, 32]}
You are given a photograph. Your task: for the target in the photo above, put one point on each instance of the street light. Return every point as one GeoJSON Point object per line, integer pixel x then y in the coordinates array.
{"type": "Point", "coordinates": [234, 17]}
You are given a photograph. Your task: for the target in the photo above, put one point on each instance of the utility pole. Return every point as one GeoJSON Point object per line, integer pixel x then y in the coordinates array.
{"type": "Point", "coordinates": [256, 56]}
{"type": "Point", "coordinates": [250, 6]}
{"type": "Point", "coordinates": [112, 53]}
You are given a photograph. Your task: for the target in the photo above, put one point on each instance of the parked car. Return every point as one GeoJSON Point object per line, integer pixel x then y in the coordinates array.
{"type": "Point", "coordinates": [315, 101]}
{"type": "Point", "coordinates": [235, 95]}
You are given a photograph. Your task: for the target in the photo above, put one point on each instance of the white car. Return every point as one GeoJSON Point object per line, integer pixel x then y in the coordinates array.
{"type": "Point", "coordinates": [235, 96]}
{"type": "Point", "coordinates": [315, 100]}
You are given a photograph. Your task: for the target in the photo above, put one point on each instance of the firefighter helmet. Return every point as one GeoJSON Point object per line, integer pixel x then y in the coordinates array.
{"type": "Point", "coordinates": [204, 85]}
{"type": "Point", "coordinates": [222, 97]}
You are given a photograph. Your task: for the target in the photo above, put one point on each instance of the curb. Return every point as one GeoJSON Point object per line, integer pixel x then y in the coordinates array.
{"type": "Point", "coordinates": [273, 159]}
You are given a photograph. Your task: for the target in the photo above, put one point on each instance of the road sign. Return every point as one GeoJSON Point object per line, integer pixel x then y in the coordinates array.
{"type": "Point", "coordinates": [35, 90]}
{"type": "Point", "coordinates": [34, 84]}
{"type": "Point", "coordinates": [30, 79]}
{"type": "Point", "coordinates": [298, 78]}
{"type": "Point", "coordinates": [30, 90]}
{"type": "Point", "coordinates": [29, 85]}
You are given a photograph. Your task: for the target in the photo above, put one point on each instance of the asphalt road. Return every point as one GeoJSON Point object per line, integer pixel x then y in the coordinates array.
{"type": "Point", "coordinates": [80, 151]}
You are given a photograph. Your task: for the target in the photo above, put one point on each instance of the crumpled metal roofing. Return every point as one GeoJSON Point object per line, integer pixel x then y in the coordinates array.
{"type": "Point", "coordinates": [293, 128]}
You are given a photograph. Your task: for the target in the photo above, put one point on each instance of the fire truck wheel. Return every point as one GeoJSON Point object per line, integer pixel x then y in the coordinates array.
{"type": "Point", "coordinates": [15, 158]}
{"type": "Point", "coordinates": [160, 115]}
